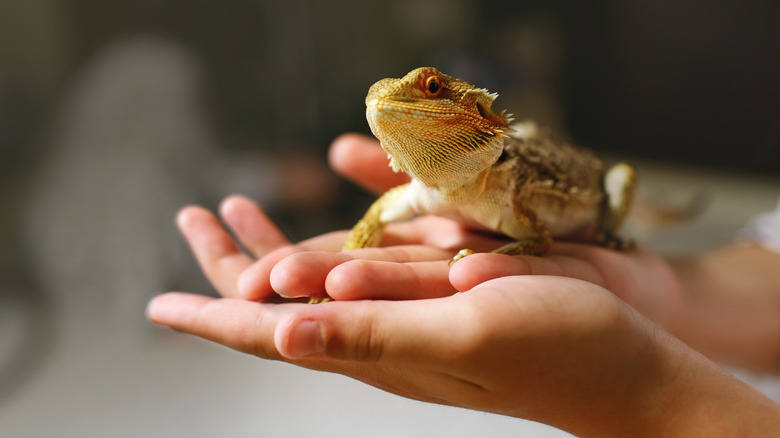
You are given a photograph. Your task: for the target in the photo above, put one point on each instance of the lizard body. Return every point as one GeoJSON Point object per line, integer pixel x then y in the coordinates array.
{"type": "Point", "coordinates": [467, 163]}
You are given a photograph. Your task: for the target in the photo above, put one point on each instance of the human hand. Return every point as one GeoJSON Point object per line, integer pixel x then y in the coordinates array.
{"type": "Point", "coordinates": [529, 346]}
{"type": "Point", "coordinates": [550, 349]}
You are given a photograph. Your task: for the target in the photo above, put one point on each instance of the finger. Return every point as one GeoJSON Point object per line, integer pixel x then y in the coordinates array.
{"type": "Point", "coordinates": [242, 325]}
{"type": "Point", "coordinates": [245, 326]}
{"type": "Point", "coordinates": [254, 282]}
{"type": "Point", "coordinates": [390, 332]}
{"type": "Point", "coordinates": [251, 226]}
{"type": "Point", "coordinates": [640, 277]}
{"type": "Point", "coordinates": [360, 159]}
{"type": "Point", "coordinates": [306, 274]}
{"type": "Point", "coordinates": [439, 232]}
{"type": "Point", "coordinates": [214, 249]}
{"type": "Point", "coordinates": [380, 280]}
{"type": "Point", "coordinates": [478, 268]}
{"type": "Point", "coordinates": [435, 334]}
{"type": "Point", "coordinates": [252, 328]}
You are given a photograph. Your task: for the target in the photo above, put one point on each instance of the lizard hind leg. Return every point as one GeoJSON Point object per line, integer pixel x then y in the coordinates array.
{"type": "Point", "coordinates": [530, 246]}
{"type": "Point", "coordinates": [619, 185]}
{"type": "Point", "coordinates": [537, 246]}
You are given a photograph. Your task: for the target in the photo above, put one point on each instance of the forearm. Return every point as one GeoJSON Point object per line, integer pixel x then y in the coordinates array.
{"type": "Point", "coordinates": [704, 400]}
{"type": "Point", "coordinates": [732, 306]}
{"type": "Point", "coordinates": [667, 389]}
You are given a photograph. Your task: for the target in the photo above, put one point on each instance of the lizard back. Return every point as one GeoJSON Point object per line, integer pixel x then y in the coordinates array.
{"type": "Point", "coordinates": [550, 179]}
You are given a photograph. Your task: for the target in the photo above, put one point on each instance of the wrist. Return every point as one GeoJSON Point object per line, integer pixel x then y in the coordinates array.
{"type": "Point", "coordinates": [731, 306]}
{"type": "Point", "coordinates": [661, 387]}
{"type": "Point", "coordinates": [701, 399]}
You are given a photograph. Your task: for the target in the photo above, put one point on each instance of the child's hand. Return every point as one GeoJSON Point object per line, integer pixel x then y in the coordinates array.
{"type": "Point", "coordinates": [550, 349]}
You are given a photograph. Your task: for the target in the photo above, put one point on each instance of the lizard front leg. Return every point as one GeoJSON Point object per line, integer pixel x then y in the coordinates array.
{"type": "Point", "coordinates": [390, 207]}
{"type": "Point", "coordinates": [367, 233]}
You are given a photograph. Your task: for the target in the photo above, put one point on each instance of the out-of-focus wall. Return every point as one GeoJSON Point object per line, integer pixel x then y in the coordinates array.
{"type": "Point", "coordinates": [115, 114]}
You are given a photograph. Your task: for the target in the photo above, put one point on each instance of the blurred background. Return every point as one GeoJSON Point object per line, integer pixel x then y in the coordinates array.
{"type": "Point", "coordinates": [113, 115]}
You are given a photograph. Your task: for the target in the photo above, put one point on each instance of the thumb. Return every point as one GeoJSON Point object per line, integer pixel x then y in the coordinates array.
{"type": "Point", "coordinates": [360, 159]}
{"type": "Point", "coordinates": [373, 331]}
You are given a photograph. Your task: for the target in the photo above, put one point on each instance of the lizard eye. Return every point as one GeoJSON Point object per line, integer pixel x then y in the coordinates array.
{"type": "Point", "coordinates": [432, 85]}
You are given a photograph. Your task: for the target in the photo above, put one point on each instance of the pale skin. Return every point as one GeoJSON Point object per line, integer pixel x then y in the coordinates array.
{"type": "Point", "coordinates": [562, 346]}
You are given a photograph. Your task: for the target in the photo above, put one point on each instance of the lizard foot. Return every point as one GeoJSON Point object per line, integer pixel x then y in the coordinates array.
{"type": "Point", "coordinates": [535, 246]}
{"type": "Point", "coordinates": [532, 246]}
{"type": "Point", "coordinates": [612, 241]}
{"type": "Point", "coordinates": [462, 253]}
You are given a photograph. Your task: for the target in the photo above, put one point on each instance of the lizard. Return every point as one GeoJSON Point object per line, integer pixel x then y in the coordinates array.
{"type": "Point", "coordinates": [471, 164]}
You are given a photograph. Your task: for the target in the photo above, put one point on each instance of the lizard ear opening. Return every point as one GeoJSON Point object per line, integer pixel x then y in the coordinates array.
{"type": "Point", "coordinates": [484, 110]}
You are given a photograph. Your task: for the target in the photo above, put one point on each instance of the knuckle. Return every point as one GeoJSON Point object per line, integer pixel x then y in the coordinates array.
{"type": "Point", "coordinates": [361, 342]}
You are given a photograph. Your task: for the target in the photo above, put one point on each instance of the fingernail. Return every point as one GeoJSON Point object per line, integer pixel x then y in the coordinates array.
{"type": "Point", "coordinates": [154, 313]}
{"type": "Point", "coordinates": [168, 309]}
{"type": "Point", "coordinates": [305, 339]}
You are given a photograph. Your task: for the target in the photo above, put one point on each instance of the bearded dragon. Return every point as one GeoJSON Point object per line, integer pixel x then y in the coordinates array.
{"type": "Point", "coordinates": [468, 163]}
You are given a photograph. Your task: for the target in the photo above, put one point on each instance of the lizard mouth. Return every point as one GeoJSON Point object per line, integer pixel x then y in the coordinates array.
{"type": "Point", "coordinates": [432, 111]}
{"type": "Point", "coordinates": [390, 118]}
{"type": "Point", "coordinates": [420, 107]}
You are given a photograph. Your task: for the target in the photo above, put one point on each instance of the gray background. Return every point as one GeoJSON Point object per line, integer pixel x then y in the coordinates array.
{"type": "Point", "coordinates": [115, 114]}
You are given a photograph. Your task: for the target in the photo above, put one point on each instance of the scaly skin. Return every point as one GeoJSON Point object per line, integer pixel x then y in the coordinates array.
{"type": "Point", "coordinates": [467, 163]}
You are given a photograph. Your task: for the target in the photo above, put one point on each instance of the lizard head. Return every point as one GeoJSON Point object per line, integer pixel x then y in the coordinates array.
{"type": "Point", "coordinates": [435, 127]}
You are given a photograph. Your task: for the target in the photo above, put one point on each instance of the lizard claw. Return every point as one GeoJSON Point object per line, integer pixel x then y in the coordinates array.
{"type": "Point", "coordinates": [462, 253]}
